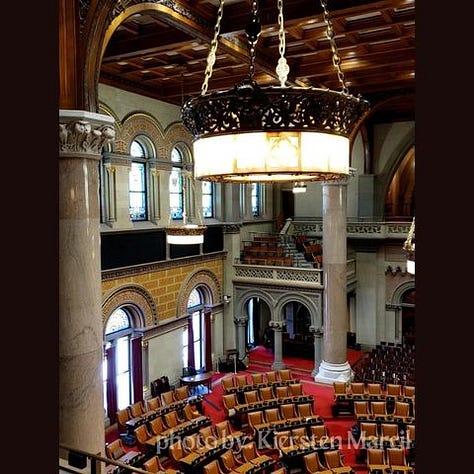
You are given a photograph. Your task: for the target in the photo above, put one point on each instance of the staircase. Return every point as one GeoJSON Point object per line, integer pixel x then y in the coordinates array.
{"type": "Point", "coordinates": [297, 257]}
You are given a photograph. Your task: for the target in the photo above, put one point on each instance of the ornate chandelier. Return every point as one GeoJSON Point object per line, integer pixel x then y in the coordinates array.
{"type": "Point", "coordinates": [187, 233]}
{"type": "Point", "coordinates": [272, 134]}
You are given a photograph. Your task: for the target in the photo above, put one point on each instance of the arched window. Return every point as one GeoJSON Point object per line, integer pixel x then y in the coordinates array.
{"type": "Point", "coordinates": [176, 184]}
{"type": "Point", "coordinates": [207, 199]}
{"type": "Point", "coordinates": [141, 150]}
{"type": "Point", "coordinates": [121, 367]}
{"type": "Point", "coordinates": [195, 333]}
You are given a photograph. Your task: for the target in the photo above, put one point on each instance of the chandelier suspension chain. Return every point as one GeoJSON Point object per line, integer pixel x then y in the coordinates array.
{"type": "Point", "coordinates": [282, 68]}
{"type": "Point", "coordinates": [211, 57]}
{"type": "Point", "coordinates": [336, 59]}
{"type": "Point", "coordinates": [253, 32]}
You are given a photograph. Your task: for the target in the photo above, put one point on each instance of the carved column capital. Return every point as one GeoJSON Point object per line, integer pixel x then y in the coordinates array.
{"type": "Point", "coordinates": [316, 331]}
{"type": "Point", "coordinates": [277, 325]}
{"type": "Point", "coordinates": [84, 132]}
{"type": "Point", "coordinates": [342, 181]}
{"type": "Point", "coordinates": [231, 228]}
{"type": "Point", "coordinates": [240, 321]}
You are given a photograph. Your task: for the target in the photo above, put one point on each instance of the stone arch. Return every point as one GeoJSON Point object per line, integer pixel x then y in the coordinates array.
{"type": "Point", "coordinates": [137, 298]}
{"type": "Point", "coordinates": [174, 135]}
{"type": "Point", "coordinates": [400, 290]}
{"type": "Point", "coordinates": [310, 303]}
{"type": "Point", "coordinates": [201, 278]}
{"type": "Point", "coordinates": [140, 123]}
{"type": "Point", "coordinates": [385, 176]}
{"type": "Point", "coordinates": [255, 293]}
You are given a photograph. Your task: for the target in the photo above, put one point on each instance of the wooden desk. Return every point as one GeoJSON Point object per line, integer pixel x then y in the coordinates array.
{"type": "Point", "coordinates": [198, 379]}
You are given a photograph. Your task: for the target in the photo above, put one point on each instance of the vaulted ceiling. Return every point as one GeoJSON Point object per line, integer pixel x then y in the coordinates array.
{"type": "Point", "coordinates": [164, 56]}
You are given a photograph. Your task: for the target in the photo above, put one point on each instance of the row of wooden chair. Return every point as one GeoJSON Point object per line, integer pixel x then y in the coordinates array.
{"type": "Point", "coordinates": [291, 442]}
{"type": "Point", "coordinates": [161, 428]}
{"type": "Point", "coordinates": [386, 434]}
{"type": "Point", "coordinates": [244, 380]}
{"type": "Point", "coordinates": [390, 460]}
{"type": "Point", "coordinates": [376, 389]}
{"type": "Point", "coordinates": [229, 462]}
{"type": "Point", "coordinates": [333, 463]}
{"type": "Point", "coordinates": [364, 410]}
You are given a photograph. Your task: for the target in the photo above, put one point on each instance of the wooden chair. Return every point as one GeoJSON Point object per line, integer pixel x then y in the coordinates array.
{"type": "Point", "coordinates": [136, 410]}
{"type": "Point", "coordinates": [181, 393]}
{"type": "Point", "coordinates": [272, 415]}
{"type": "Point", "coordinates": [122, 417]}
{"type": "Point", "coordinates": [229, 462]}
{"type": "Point", "coordinates": [288, 412]}
{"type": "Point", "coordinates": [357, 390]}
{"type": "Point", "coordinates": [340, 388]}
{"type": "Point", "coordinates": [227, 384]}
{"type": "Point", "coordinates": [397, 461]}
{"type": "Point", "coordinates": [154, 465]}
{"type": "Point", "coordinates": [266, 393]}
{"type": "Point", "coordinates": [224, 430]}
{"type": "Point", "coordinates": [295, 389]}
{"type": "Point", "coordinates": [271, 376]}
{"type": "Point", "coordinates": [284, 375]}
{"type": "Point", "coordinates": [362, 410]}
{"type": "Point", "coordinates": [176, 451]}
{"type": "Point", "coordinates": [374, 388]}
{"type": "Point", "coordinates": [389, 435]}
{"type": "Point", "coordinates": [282, 392]}
{"type": "Point", "coordinates": [300, 437]}
{"type": "Point", "coordinates": [115, 449]}
{"type": "Point", "coordinates": [379, 410]}
{"type": "Point", "coordinates": [208, 436]}
{"type": "Point", "coordinates": [320, 437]}
{"type": "Point", "coordinates": [230, 402]}
{"type": "Point", "coordinates": [305, 410]}
{"type": "Point", "coordinates": [394, 390]}
{"type": "Point", "coordinates": [153, 403]}
{"type": "Point", "coordinates": [167, 398]}
{"type": "Point", "coordinates": [172, 420]}
{"type": "Point", "coordinates": [212, 468]}
{"type": "Point", "coordinates": [313, 465]}
{"type": "Point", "coordinates": [401, 410]}
{"type": "Point", "coordinates": [251, 454]}
{"type": "Point", "coordinates": [369, 434]}
{"type": "Point", "coordinates": [376, 462]}
{"type": "Point", "coordinates": [283, 442]}
{"type": "Point", "coordinates": [334, 462]}
{"type": "Point", "coordinates": [192, 444]}
{"type": "Point", "coordinates": [409, 391]}
{"type": "Point", "coordinates": [142, 435]}
{"type": "Point", "coordinates": [157, 427]}
{"type": "Point", "coordinates": [192, 415]}
{"type": "Point", "coordinates": [257, 378]}
{"type": "Point", "coordinates": [240, 380]}
{"type": "Point", "coordinates": [251, 396]}
{"type": "Point", "coordinates": [256, 421]}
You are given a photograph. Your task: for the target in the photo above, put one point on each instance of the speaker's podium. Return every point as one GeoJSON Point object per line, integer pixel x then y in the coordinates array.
{"type": "Point", "coordinates": [230, 363]}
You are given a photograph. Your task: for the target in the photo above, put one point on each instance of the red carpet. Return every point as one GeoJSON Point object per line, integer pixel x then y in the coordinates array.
{"type": "Point", "coordinates": [260, 361]}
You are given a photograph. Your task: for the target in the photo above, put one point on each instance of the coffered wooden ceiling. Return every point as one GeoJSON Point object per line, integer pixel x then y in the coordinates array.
{"type": "Point", "coordinates": [164, 56]}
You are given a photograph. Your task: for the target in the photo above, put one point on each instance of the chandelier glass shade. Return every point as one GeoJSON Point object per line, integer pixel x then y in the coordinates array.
{"type": "Point", "coordinates": [187, 234]}
{"type": "Point", "coordinates": [275, 133]}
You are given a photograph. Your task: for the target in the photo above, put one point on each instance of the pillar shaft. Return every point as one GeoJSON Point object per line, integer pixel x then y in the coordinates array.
{"type": "Point", "coordinates": [334, 364]}
{"type": "Point", "coordinates": [277, 327]}
{"type": "Point", "coordinates": [81, 407]}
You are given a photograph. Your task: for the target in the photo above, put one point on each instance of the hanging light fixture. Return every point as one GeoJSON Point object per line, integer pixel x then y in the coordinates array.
{"type": "Point", "coordinates": [409, 247]}
{"type": "Point", "coordinates": [272, 134]}
{"type": "Point", "coordinates": [299, 187]}
{"type": "Point", "coordinates": [187, 233]}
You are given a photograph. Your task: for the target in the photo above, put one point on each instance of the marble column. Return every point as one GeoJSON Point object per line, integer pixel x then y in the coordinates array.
{"type": "Point", "coordinates": [241, 324]}
{"type": "Point", "coordinates": [334, 365]}
{"type": "Point", "coordinates": [81, 408]}
{"type": "Point", "coordinates": [317, 333]}
{"type": "Point", "coordinates": [277, 327]}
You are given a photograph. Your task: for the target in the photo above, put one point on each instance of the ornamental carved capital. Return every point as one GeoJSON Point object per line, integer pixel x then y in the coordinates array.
{"type": "Point", "coordinates": [240, 321]}
{"type": "Point", "coordinates": [83, 132]}
{"type": "Point", "coordinates": [317, 331]}
{"type": "Point", "coordinates": [277, 325]}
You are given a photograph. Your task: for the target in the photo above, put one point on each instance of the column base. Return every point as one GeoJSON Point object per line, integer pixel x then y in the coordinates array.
{"type": "Point", "coordinates": [329, 373]}
{"type": "Point", "coordinates": [278, 365]}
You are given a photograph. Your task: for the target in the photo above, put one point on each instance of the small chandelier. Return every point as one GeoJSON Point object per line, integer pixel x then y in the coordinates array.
{"type": "Point", "coordinates": [187, 233]}
{"type": "Point", "coordinates": [272, 134]}
{"type": "Point", "coordinates": [299, 187]}
{"type": "Point", "coordinates": [409, 247]}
